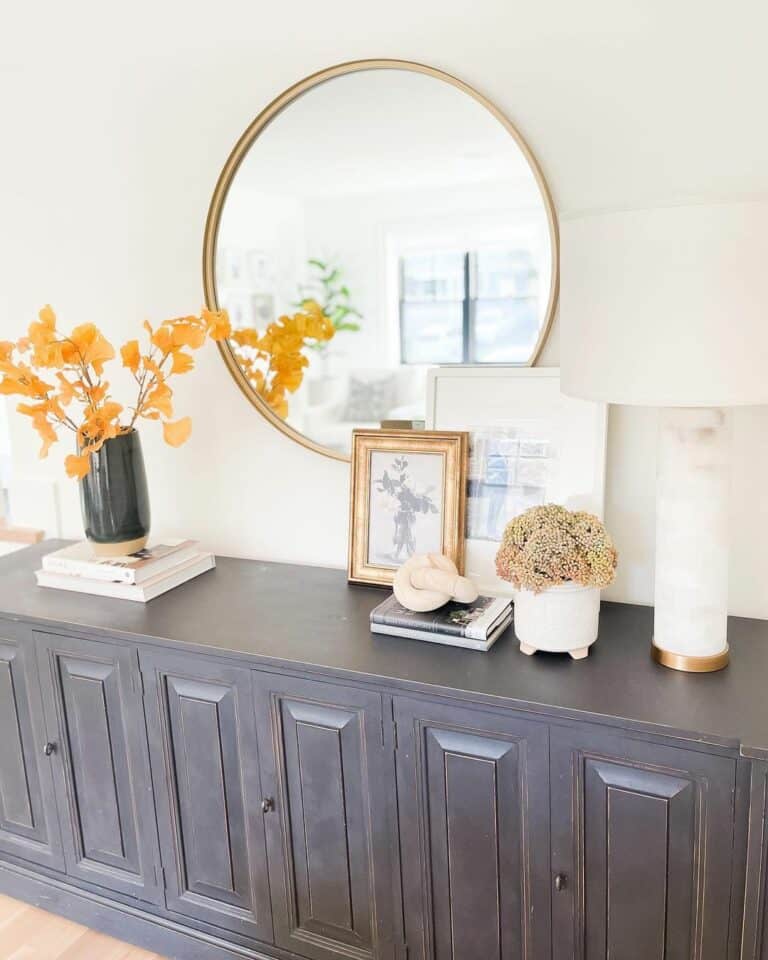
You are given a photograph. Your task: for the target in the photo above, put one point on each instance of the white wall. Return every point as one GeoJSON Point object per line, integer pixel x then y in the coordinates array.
{"type": "Point", "coordinates": [117, 120]}
{"type": "Point", "coordinates": [270, 227]}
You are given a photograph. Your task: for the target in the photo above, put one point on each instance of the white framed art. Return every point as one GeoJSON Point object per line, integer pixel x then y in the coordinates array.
{"type": "Point", "coordinates": [528, 444]}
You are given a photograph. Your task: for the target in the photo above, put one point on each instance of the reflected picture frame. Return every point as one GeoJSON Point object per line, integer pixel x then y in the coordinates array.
{"type": "Point", "coordinates": [407, 496]}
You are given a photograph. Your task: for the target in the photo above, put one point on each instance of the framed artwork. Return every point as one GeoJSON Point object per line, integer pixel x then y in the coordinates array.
{"type": "Point", "coordinates": [262, 310]}
{"type": "Point", "coordinates": [528, 444]}
{"type": "Point", "coordinates": [408, 495]}
{"type": "Point", "coordinates": [230, 267]}
{"type": "Point", "coordinates": [259, 270]}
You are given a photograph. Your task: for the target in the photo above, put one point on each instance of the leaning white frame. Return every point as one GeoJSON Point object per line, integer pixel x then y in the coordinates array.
{"type": "Point", "coordinates": [581, 473]}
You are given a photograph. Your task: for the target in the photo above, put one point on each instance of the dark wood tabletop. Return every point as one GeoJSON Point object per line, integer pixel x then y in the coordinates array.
{"type": "Point", "coordinates": [289, 615]}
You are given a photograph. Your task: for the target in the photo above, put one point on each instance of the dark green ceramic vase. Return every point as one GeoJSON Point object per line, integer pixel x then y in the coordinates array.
{"type": "Point", "coordinates": [114, 497]}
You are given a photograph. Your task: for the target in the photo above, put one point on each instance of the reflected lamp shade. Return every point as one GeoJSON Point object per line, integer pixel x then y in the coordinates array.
{"type": "Point", "coordinates": [668, 308]}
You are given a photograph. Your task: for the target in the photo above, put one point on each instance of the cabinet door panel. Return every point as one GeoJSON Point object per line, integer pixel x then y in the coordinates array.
{"type": "Point", "coordinates": [329, 837]}
{"type": "Point", "coordinates": [28, 823]}
{"type": "Point", "coordinates": [92, 698]}
{"type": "Point", "coordinates": [473, 793]}
{"type": "Point", "coordinates": [643, 834]}
{"type": "Point", "coordinates": [205, 763]}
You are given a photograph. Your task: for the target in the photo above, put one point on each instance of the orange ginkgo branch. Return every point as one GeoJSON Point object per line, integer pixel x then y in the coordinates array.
{"type": "Point", "coordinates": [273, 362]}
{"type": "Point", "coordinates": [78, 362]}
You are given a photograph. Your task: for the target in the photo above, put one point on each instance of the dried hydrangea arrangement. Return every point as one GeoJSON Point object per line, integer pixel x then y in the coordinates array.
{"type": "Point", "coordinates": [549, 545]}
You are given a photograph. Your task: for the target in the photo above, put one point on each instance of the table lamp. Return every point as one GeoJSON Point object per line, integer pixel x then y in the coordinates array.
{"type": "Point", "coordinates": [668, 308]}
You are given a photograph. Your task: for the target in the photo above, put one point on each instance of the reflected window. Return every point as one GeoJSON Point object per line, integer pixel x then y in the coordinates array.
{"type": "Point", "coordinates": [474, 306]}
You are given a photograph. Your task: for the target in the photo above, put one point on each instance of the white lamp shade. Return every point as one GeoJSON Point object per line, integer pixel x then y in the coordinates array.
{"type": "Point", "coordinates": [667, 307]}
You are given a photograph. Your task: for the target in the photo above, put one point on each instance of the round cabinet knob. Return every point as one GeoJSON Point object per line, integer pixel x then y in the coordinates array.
{"type": "Point", "coordinates": [560, 880]}
{"type": "Point", "coordinates": [49, 748]}
{"type": "Point", "coordinates": [267, 804]}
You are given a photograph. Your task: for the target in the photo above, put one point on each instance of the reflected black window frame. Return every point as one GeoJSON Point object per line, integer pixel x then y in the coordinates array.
{"type": "Point", "coordinates": [468, 307]}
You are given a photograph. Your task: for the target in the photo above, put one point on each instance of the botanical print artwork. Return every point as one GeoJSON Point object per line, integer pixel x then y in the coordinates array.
{"type": "Point", "coordinates": [510, 468]}
{"type": "Point", "coordinates": [406, 506]}
{"type": "Point", "coordinates": [408, 496]}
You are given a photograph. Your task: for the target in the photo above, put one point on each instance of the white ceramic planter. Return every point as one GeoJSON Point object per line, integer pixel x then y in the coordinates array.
{"type": "Point", "coordinates": [563, 619]}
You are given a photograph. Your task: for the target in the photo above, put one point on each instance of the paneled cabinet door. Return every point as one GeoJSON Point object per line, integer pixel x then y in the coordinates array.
{"type": "Point", "coordinates": [474, 833]}
{"type": "Point", "coordinates": [755, 933]}
{"type": "Point", "coordinates": [95, 721]}
{"type": "Point", "coordinates": [331, 830]}
{"type": "Point", "coordinates": [29, 827]}
{"type": "Point", "coordinates": [642, 839]}
{"type": "Point", "coordinates": [206, 770]}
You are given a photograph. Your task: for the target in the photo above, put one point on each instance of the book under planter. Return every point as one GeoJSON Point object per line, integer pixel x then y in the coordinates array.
{"type": "Point", "coordinates": [474, 626]}
{"type": "Point", "coordinates": [114, 498]}
{"type": "Point", "coordinates": [561, 619]}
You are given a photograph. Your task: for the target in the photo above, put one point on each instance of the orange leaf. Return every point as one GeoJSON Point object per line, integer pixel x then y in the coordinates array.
{"type": "Point", "coordinates": [89, 346]}
{"type": "Point", "coordinates": [182, 362]}
{"type": "Point", "coordinates": [110, 410]}
{"type": "Point", "coordinates": [152, 367]}
{"type": "Point", "coordinates": [48, 317]}
{"type": "Point", "coordinates": [42, 336]}
{"type": "Point", "coordinates": [247, 337]}
{"type": "Point", "coordinates": [22, 381]}
{"type": "Point", "coordinates": [47, 435]}
{"type": "Point", "coordinates": [67, 390]}
{"type": "Point", "coordinates": [188, 334]}
{"type": "Point", "coordinates": [163, 339]}
{"type": "Point", "coordinates": [6, 350]}
{"type": "Point", "coordinates": [39, 414]}
{"type": "Point", "coordinates": [98, 393]}
{"type": "Point", "coordinates": [131, 356]}
{"type": "Point", "coordinates": [218, 325]}
{"type": "Point", "coordinates": [77, 467]}
{"type": "Point", "coordinates": [177, 433]}
{"type": "Point", "coordinates": [100, 424]}
{"type": "Point", "coordinates": [160, 399]}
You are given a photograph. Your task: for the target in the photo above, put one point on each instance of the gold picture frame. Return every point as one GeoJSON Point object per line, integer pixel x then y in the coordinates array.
{"type": "Point", "coordinates": [398, 478]}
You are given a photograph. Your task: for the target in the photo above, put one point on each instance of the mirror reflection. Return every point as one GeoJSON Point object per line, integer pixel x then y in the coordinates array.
{"type": "Point", "coordinates": [384, 222]}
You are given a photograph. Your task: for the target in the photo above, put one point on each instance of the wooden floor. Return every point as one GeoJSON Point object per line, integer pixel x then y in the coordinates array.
{"type": "Point", "coordinates": [30, 934]}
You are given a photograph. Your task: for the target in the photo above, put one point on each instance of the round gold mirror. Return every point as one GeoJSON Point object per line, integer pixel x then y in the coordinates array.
{"type": "Point", "coordinates": [376, 219]}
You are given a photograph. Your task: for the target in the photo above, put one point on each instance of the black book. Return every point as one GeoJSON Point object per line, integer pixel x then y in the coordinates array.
{"type": "Point", "coordinates": [473, 625]}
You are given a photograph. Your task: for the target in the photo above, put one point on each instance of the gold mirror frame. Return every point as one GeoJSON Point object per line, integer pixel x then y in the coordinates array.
{"type": "Point", "coordinates": [246, 141]}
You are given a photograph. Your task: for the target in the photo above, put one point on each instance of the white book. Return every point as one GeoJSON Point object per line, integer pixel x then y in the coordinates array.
{"type": "Point", "coordinates": [448, 639]}
{"type": "Point", "coordinates": [140, 593]}
{"type": "Point", "coordinates": [80, 560]}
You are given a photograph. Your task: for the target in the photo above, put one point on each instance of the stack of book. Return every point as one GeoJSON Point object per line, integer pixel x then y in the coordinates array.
{"type": "Point", "coordinates": [476, 626]}
{"type": "Point", "coordinates": [140, 576]}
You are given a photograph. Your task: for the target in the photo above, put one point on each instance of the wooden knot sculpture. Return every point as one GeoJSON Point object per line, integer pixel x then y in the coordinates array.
{"type": "Point", "coordinates": [428, 581]}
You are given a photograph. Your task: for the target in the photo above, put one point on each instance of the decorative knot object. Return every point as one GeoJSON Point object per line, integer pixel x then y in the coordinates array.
{"type": "Point", "coordinates": [428, 581]}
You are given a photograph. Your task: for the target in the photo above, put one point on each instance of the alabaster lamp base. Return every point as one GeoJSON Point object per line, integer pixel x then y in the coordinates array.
{"type": "Point", "coordinates": [692, 538]}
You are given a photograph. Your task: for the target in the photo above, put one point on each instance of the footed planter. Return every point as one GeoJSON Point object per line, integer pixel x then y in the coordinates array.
{"type": "Point", "coordinates": [562, 619]}
{"type": "Point", "coordinates": [114, 497]}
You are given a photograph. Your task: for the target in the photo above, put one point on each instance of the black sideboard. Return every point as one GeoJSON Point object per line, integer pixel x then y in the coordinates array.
{"type": "Point", "coordinates": [240, 769]}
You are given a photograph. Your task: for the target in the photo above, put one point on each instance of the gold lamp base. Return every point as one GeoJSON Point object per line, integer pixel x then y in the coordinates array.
{"type": "Point", "coordinates": [677, 661]}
